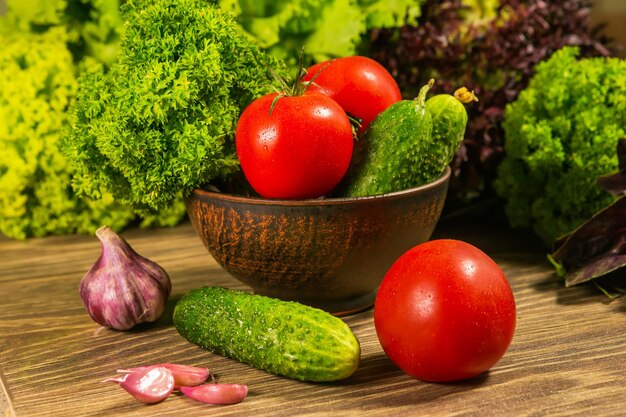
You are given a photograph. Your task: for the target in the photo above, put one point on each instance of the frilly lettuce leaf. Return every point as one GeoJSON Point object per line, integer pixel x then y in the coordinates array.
{"type": "Point", "coordinates": [388, 14]}
{"type": "Point", "coordinates": [345, 25]}
{"type": "Point", "coordinates": [325, 28]}
{"type": "Point", "coordinates": [37, 84]}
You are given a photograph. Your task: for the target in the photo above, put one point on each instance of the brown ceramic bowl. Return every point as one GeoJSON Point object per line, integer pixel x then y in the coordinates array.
{"type": "Point", "coordinates": [327, 253]}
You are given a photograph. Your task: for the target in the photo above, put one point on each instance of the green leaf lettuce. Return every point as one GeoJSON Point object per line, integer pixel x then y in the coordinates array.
{"type": "Point", "coordinates": [325, 28]}
{"type": "Point", "coordinates": [161, 121]}
{"type": "Point", "coordinates": [37, 84]}
{"type": "Point", "coordinates": [561, 134]}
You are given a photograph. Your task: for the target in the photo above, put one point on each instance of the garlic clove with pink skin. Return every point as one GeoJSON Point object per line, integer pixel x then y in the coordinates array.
{"type": "Point", "coordinates": [184, 375]}
{"type": "Point", "coordinates": [150, 385]}
{"type": "Point", "coordinates": [123, 288]}
{"type": "Point", "coordinates": [213, 393]}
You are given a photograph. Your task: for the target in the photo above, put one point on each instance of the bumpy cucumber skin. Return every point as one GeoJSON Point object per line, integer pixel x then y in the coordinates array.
{"type": "Point", "coordinates": [281, 337]}
{"type": "Point", "coordinates": [449, 122]}
{"type": "Point", "coordinates": [408, 145]}
{"type": "Point", "coordinates": [395, 143]}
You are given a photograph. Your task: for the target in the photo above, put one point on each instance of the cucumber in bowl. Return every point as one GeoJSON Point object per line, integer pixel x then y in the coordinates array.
{"type": "Point", "coordinates": [409, 144]}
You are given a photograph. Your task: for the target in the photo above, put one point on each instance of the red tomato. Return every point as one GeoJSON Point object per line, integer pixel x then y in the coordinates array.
{"type": "Point", "coordinates": [444, 311]}
{"type": "Point", "coordinates": [301, 150]}
{"type": "Point", "coordinates": [360, 85]}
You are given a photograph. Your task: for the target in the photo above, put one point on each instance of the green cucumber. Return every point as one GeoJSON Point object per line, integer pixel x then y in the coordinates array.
{"type": "Point", "coordinates": [449, 122]}
{"type": "Point", "coordinates": [392, 146]}
{"type": "Point", "coordinates": [409, 144]}
{"type": "Point", "coordinates": [282, 337]}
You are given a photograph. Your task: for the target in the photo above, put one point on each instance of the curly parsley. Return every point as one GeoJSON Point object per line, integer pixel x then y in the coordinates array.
{"type": "Point", "coordinates": [161, 121]}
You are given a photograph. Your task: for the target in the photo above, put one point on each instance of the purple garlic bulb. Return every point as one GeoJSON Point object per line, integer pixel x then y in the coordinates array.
{"type": "Point", "coordinates": [123, 288]}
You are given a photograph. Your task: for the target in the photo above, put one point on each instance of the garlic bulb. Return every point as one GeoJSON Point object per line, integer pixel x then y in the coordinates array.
{"type": "Point", "coordinates": [122, 288]}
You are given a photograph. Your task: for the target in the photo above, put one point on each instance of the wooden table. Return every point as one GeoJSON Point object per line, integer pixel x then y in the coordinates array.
{"type": "Point", "coordinates": [568, 356]}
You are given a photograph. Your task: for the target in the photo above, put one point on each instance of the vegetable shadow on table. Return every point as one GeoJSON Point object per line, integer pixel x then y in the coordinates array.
{"type": "Point", "coordinates": [376, 369]}
{"type": "Point", "coordinates": [586, 293]}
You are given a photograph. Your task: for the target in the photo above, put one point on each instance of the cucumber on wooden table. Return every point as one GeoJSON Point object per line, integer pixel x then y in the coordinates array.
{"type": "Point", "coordinates": [281, 337]}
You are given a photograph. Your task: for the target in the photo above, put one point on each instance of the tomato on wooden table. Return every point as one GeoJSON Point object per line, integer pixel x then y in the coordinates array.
{"type": "Point", "coordinates": [445, 311]}
{"type": "Point", "coordinates": [294, 147]}
{"type": "Point", "coordinates": [361, 86]}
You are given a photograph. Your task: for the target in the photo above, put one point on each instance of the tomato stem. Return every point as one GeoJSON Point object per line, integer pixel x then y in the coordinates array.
{"type": "Point", "coordinates": [289, 91]}
{"type": "Point", "coordinates": [299, 87]}
{"type": "Point", "coordinates": [355, 122]}
{"type": "Point", "coordinates": [278, 97]}
{"type": "Point", "coordinates": [307, 84]}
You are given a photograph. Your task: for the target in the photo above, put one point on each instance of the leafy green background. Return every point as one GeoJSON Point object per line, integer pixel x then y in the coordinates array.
{"type": "Point", "coordinates": [46, 46]}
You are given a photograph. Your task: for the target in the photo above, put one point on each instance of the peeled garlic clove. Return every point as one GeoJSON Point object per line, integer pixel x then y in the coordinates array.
{"type": "Point", "coordinates": [149, 385]}
{"type": "Point", "coordinates": [184, 375]}
{"type": "Point", "coordinates": [221, 394]}
{"type": "Point", "coordinates": [123, 288]}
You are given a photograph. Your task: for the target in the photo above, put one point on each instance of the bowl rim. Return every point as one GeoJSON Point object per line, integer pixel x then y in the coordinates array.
{"type": "Point", "coordinates": [323, 201]}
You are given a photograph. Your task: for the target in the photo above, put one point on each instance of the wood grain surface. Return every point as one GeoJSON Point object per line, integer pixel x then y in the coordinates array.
{"type": "Point", "coordinates": [568, 356]}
